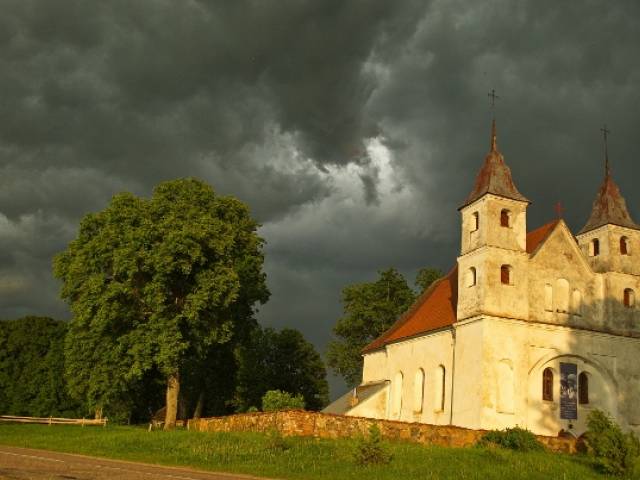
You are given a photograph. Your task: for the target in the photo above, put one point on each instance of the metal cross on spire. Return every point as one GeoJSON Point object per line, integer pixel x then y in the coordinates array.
{"type": "Point", "coordinates": [605, 131]}
{"type": "Point", "coordinates": [492, 95]}
{"type": "Point", "coordinates": [559, 209]}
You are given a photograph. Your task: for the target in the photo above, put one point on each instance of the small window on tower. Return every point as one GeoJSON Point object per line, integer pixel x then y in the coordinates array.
{"type": "Point", "coordinates": [505, 218]}
{"type": "Point", "coordinates": [583, 388]}
{"type": "Point", "coordinates": [594, 247]}
{"type": "Point", "coordinates": [629, 298]}
{"type": "Point", "coordinates": [475, 221]}
{"type": "Point", "coordinates": [471, 277]}
{"type": "Point", "coordinates": [547, 385]}
{"type": "Point", "coordinates": [624, 246]}
{"type": "Point", "coordinates": [505, 275]}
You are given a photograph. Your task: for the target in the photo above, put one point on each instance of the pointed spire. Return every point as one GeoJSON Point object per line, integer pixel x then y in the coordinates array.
{"type": "Point", "coordinates": [607, 171]}
{"type": "Point", "coordinates": [495, 176]}
{"type": "Point", "coordinates": [609, 207]}
{"type": "Point", "coordinates": [494, 136]}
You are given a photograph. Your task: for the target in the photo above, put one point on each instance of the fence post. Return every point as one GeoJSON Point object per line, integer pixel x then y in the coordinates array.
{"type": "Point", "coordinates": [49, 421]}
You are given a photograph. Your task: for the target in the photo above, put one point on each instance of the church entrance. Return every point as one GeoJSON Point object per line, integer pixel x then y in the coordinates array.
{"type": "Point", "coordinates": [563, 391]}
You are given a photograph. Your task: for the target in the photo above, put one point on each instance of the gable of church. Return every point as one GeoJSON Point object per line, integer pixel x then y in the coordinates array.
{"type": "Point", "coordinates": [563, 289]}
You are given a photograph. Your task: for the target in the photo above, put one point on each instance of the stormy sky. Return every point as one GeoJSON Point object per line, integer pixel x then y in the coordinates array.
{"type": "Point", "coordinates": [352, 129]}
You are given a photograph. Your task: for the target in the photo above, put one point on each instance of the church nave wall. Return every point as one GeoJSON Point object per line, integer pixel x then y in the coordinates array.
{"type": "Point", "coordinates": [414, 397]}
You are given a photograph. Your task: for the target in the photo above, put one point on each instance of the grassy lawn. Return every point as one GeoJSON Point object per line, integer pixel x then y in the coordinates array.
{"type": "Point", "coordinates": [305, 458]}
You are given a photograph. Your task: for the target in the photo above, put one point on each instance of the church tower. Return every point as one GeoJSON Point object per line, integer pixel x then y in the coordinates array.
{"type": "Point", "coordinates": [611, 239]}
{"type": "Point", "coordinates": [611, 243]}
{"type": "Point", "coordinates": [492, 266]}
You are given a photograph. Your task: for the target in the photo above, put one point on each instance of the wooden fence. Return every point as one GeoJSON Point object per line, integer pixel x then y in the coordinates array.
{"type": "Point", "coordinates": [54, 421]}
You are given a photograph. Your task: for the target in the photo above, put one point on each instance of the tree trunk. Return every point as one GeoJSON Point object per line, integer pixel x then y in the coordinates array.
{"type": "Point", "coordinates": [199, 406]}
{"type": "Point", "coordinates": [98, 413]}
{"type": "Point", "coordinates": [173, 391]}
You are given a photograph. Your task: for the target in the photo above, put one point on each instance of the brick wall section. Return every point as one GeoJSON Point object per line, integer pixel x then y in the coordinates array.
{"type": "Point", "coordinates": [315, 424]}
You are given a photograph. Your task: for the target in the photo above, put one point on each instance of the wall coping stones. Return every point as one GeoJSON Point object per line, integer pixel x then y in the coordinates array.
{"type": "Point", "coordinates": [327, 425]}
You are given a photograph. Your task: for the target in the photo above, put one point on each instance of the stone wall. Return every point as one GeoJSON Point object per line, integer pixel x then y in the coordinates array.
{"type": "Point", "coordinates": [302, 423]}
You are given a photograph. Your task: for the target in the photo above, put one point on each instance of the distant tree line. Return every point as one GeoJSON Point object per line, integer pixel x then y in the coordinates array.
{"type": "Point", "coordinates": [236, 377]}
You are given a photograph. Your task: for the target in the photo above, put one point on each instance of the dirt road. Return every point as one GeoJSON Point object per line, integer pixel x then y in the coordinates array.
{"type": "Point", "coordinates": [28, 464]}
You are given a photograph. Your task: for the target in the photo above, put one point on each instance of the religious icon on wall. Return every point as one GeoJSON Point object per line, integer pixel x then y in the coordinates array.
{"type": "Point", "coordinates": [568, 391]}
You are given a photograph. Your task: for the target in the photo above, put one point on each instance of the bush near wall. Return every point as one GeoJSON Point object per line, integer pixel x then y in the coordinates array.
{"type": "Point", "coordinates": [315, 424]}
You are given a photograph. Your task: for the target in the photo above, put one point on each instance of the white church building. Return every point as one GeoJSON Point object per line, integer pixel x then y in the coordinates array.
{"type": "Point", "coordinates": [533, 329]}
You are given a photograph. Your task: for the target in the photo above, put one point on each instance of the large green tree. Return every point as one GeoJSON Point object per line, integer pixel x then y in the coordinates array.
{"type": "Point", "coordinates": [32, 368]}
{"type": "Point", "coordinates": [279, 360]}
{"type": "Point", "coordinates": [425, 278]}
{"type": "Point", "coordinates": [370, 308]}
{"type": "Point", "coordinates": [155, 283]}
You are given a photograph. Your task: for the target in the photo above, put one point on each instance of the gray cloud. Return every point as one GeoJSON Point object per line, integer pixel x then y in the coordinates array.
{"type": "Point", "coordinates": [352, 129]}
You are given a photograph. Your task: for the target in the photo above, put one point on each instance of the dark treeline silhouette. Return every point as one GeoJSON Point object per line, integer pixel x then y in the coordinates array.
{"type": "Point", "coordinates": [233, 377]}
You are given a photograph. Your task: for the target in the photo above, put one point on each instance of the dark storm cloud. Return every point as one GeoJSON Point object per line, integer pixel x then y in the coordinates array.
{"type": "Point", "coordinates": [279, 103]}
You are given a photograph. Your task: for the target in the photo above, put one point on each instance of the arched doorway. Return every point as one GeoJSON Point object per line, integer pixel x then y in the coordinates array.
{"type": "Point", "coordinates": [579, 385]}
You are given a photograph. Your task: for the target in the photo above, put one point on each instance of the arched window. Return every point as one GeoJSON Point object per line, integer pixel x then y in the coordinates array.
{"type": "Point", "coordinates": [594, 247]}
{"type": "Point", "coordinates": [505, 275]}
{"type": "Point", "coordinates": [439, 391]}
{"type": "Point", "coordinates": [562, 295]}
{"type": "Point", "coordinates": [471, 277]}
{"type": "Point", "coordinates": [418, 391]}
{"type": "Point", "coordinates": [583, 388]}
{"type": "Point", "coordinates": [629, 298]}
{"type": "Point", "coordinates": [624, 246]}
{"type": "Point", "coordinates": [396, 400]}
{"type": "Point", "coordinates": [505, 218]}
{"type": "Point", "coordinates": [506, 387]}
{"type": "Point", "coordinates": [576, 302]}
{"type": "Point", "coordinates": [548, 297]}
{"type": "Point", "coordinates": [475, 221]}
{"type": "Point", "coordinates": [547, 384]}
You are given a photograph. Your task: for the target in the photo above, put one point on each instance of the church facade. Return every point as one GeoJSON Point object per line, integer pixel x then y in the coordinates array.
{"type": "Point", "coordinates": [534, 329]}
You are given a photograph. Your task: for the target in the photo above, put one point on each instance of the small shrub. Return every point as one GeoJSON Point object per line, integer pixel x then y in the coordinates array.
{"type": "Point", "coordinates": [275, 400]}
{"type": "Point", "coordinates": [515, 438]}
{"type": "Point", "coordinates": [277, 442]}
{"type": "Point", "coordinates": [252, 410]}
{"type": "Point", "coordinates": [371, 450]}
{"type": "Point", "coordinates": [614, 451]}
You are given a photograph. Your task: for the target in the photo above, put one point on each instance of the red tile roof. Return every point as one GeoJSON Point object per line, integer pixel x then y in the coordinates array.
{"type": "Point", "coordinates": [436, 307]}
{"type": "Point", "coordinates": [540, 234]}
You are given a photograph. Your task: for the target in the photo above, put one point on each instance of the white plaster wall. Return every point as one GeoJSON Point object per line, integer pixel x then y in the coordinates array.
{"type": "Point", "coordinates": [426, 352]}
{"type": "Point", "coordinates": [469, 374]}
{"type": "Point", "coordinates": [375, 366]}
{"type": "Point", "coordinates": [531, 347]}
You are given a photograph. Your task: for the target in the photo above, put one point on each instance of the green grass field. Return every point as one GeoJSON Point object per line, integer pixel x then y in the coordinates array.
{"type": "Point", "coordinates": [306, 458]}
